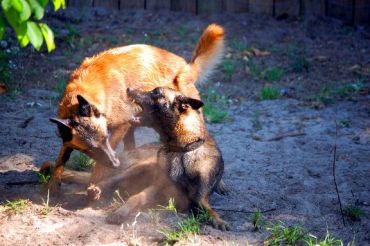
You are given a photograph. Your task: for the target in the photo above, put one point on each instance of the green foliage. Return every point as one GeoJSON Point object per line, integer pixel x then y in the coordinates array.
{"type": "Point", "coordinates": [215, 106]}
{"type": "Point", "coordinates": [256, 220]}
{"type": "Point", "coordinates": [282, 234]}
{"type": "Point", "coordinates": [189, 226]}
{"type": "Point", "coordinates": [24, 18]}
{"type": "Point", "coordinates": [269, 93]}
{"type": "Point", "coordinates": [185, 228]}
{"type": "Point", "coordinates": [329, 240]}
{"type": "Point", "coordinates": [80, 162]}
{"type": "Point", "coordinates": [60, 86]}
{"type": "Point", "coordinates": [228, 67]}
{"type": "Point", "coordinates": [43, 178]}
{"type": "Point", "coordinates": [328, 94]}
{"type": "Point", "coordinates": [273, 74]}
{"type": "Point", "coordinates": [354, 213]}
{"type": "Point", "coordinates": [4, 67]}
{"type": "Point", "coordinates": [170, 207]}
{"type": "Point", "coordinates": [17, 206]}
{"type": "Point", "coordinates": [299, 64]}
{"type": "Point", "coordinates": [255, 120]}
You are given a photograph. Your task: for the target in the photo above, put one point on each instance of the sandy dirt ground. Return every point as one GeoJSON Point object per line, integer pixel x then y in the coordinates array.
{"type": "Point", "coordinates": [289, 177]}
{"type": "Point", "coordinates": [278, 153]}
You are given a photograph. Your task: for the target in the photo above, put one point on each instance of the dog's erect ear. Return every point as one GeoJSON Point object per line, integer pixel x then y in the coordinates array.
{"type": "Point", "coordinates": [85, 108]}
{"type": "Point", "coordinates": [64, 128]}
{"type": "Point", "coordinates": [185, 102]}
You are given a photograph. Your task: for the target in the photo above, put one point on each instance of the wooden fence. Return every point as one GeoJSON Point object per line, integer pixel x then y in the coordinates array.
{"type": "Point", "coordinates": [355, 12]}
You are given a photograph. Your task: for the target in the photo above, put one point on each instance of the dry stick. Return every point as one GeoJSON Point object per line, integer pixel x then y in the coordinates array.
{"type": "Point", "coordinates": [244, 211]}
{"type": "Point", "coordinates": [334, 165]}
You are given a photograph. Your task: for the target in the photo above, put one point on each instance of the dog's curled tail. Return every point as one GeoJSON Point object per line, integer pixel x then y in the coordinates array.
{"type": "Point", "coordinates": [208, 52]}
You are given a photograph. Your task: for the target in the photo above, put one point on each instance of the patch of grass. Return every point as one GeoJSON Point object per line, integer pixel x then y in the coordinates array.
{"type": "Point", "coordinates": [80, 162]}
{"type": "Point", "coordinates": [354, 213]}
{"type": "Point", "coordinates": [191, 225]}
{"type": "Point", "coordinates": [185, 228]}
{"type": "Point", "coordinates": [269, 93]}
{"type": "Point", "coordinates": [71, 37]}
{"type": "Point", "coordinates": [255, 120]}
{"type": "Point", "coordinates": [60, 86]}
{"type": "Point", "coordinates": [183, 32]}
{"type": "Point", "coordinates": [282, 234]}
{"type": "Point", "coordinates": [299, 64]}
{"type": "Point", "coordinates": [273, 74]}
{"type": "Point", "coordinates": [229, 68]}
{"type": "Point", "coordinates": [328, 95]}
{"type": "Point", "coordinates": [238, 46]}
{"type": "Point", "coordinates": [5, 73]}
{"type": "Point", "coordinates": [256, 220]}
{"type": "Point", "coordinates": [255, 71]}
{"type": "Point", "coordinates": [171, 206]}
{"type": "Point", "coordinates": [43, 178]}
{"type": "Point", "coordinates": [345, 123]}
{"type": "Point", "coordinates": [215, 106]}
{"type": "Point", "coordinates": [329, 240]}
{"type": "Point", "coordinates": [17, 206]}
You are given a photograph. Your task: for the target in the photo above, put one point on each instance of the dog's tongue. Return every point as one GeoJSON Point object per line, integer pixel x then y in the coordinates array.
{"type": "Point", "coordinates": [135, 120]}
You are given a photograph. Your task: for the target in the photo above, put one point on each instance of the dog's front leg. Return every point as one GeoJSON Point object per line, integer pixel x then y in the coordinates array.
{"type": "Point", "coordinates": [56, 178]}
{"type": "Point", "coordinates": [217, 222]}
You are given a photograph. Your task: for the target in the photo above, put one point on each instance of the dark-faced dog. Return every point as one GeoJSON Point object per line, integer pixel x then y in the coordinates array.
{"type": "Point", "coordinates": [190, 156]}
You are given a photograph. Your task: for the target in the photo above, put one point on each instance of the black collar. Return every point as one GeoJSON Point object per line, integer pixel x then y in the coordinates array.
{"type": "Point", "coordinates": [188, 147]}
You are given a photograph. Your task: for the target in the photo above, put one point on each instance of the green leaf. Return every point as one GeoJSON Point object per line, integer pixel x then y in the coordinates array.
{"type": "Point", "coordinates": [19, 28]}
{"type": "Point", "coordinates": [2, 27]}
{"type": "Point", "coordinates": [57, 4]}
{"type": "Point", "coordinates": [34, 34]}
{"type": "Point", "coordinates": [17, 5]}
{"type": "Point", "coordinates": [26, 11]}
{"type": "Point", "coordinates": [37, 9]}
{"type": "Point", "coordinates": [48, 36]}
{"type": "Point", "coordinates": [43, 3]}
{"type": "Point", "coordinates": [6, 4]}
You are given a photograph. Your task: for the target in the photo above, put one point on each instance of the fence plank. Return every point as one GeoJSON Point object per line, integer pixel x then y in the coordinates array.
{"type": "Point", "coordinates": [260, 7]}
{"type": "Point", "coordinates": [286, 7]}
{"type": "Point", "coordinates": [236, 6]}
{"type": "Point", "coordinates": [362, 12]}
{"type": "Point", "coordinates": [341, 9]}
{"type": "Point", "coordinates": [158, 4]}
{"type": "Point", "coordinates": [79, 3]}
{"type": "Point", "coordinates": [184, 5]}
{"type": "Point", "coordinates": [314, 7]}
{"type": "Point", "coordinates": [209, 7]}
{"type": "Point", "coordinates": [130, 4]}
{"type": "Point", "coordinates": [108, 4]}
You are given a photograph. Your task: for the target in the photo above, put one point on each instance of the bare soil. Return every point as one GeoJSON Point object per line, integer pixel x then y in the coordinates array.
{"type": "Point", "coordinates": [278, 153]}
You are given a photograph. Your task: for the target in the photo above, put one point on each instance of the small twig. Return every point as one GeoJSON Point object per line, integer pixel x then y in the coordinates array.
{"type": "Point", "coordinates": [335, 181]}
{"type": "Point", "coordinates": [24, 124]}
{"type": "Point", "coordinates": [279, 136]}
{"type": "Point", "coordinates": [244, 211]}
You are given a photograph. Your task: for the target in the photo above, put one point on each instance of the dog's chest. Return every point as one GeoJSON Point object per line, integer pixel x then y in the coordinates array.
{"type": "Point", "coordinates": [181, 166]}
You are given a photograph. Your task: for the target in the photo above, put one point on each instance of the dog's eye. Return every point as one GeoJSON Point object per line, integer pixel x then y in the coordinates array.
{"type": "Point", "coordinates": [155, 94]}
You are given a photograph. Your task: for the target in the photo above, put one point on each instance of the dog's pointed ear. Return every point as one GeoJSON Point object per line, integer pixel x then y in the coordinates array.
{"type": "Point", "coordinates": [85, 109]}
{"type": "Point", "coordinates": [185, 102]}
{"type": "Point", "coordinates": [64, 128]}
{"type": "Point", "coordinates": [61, 122]}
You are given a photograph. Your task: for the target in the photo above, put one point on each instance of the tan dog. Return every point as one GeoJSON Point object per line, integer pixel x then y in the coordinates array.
{"type": "Point", "coordinates": [94, 111]}
{"type": "Point", "coordinates": [189, 156]}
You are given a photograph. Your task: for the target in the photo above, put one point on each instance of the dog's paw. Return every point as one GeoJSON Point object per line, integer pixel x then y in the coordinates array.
{"type": "Point", "coordinates": [93, 192]}
{"type": "Point", "coordinates": [220, 224]}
